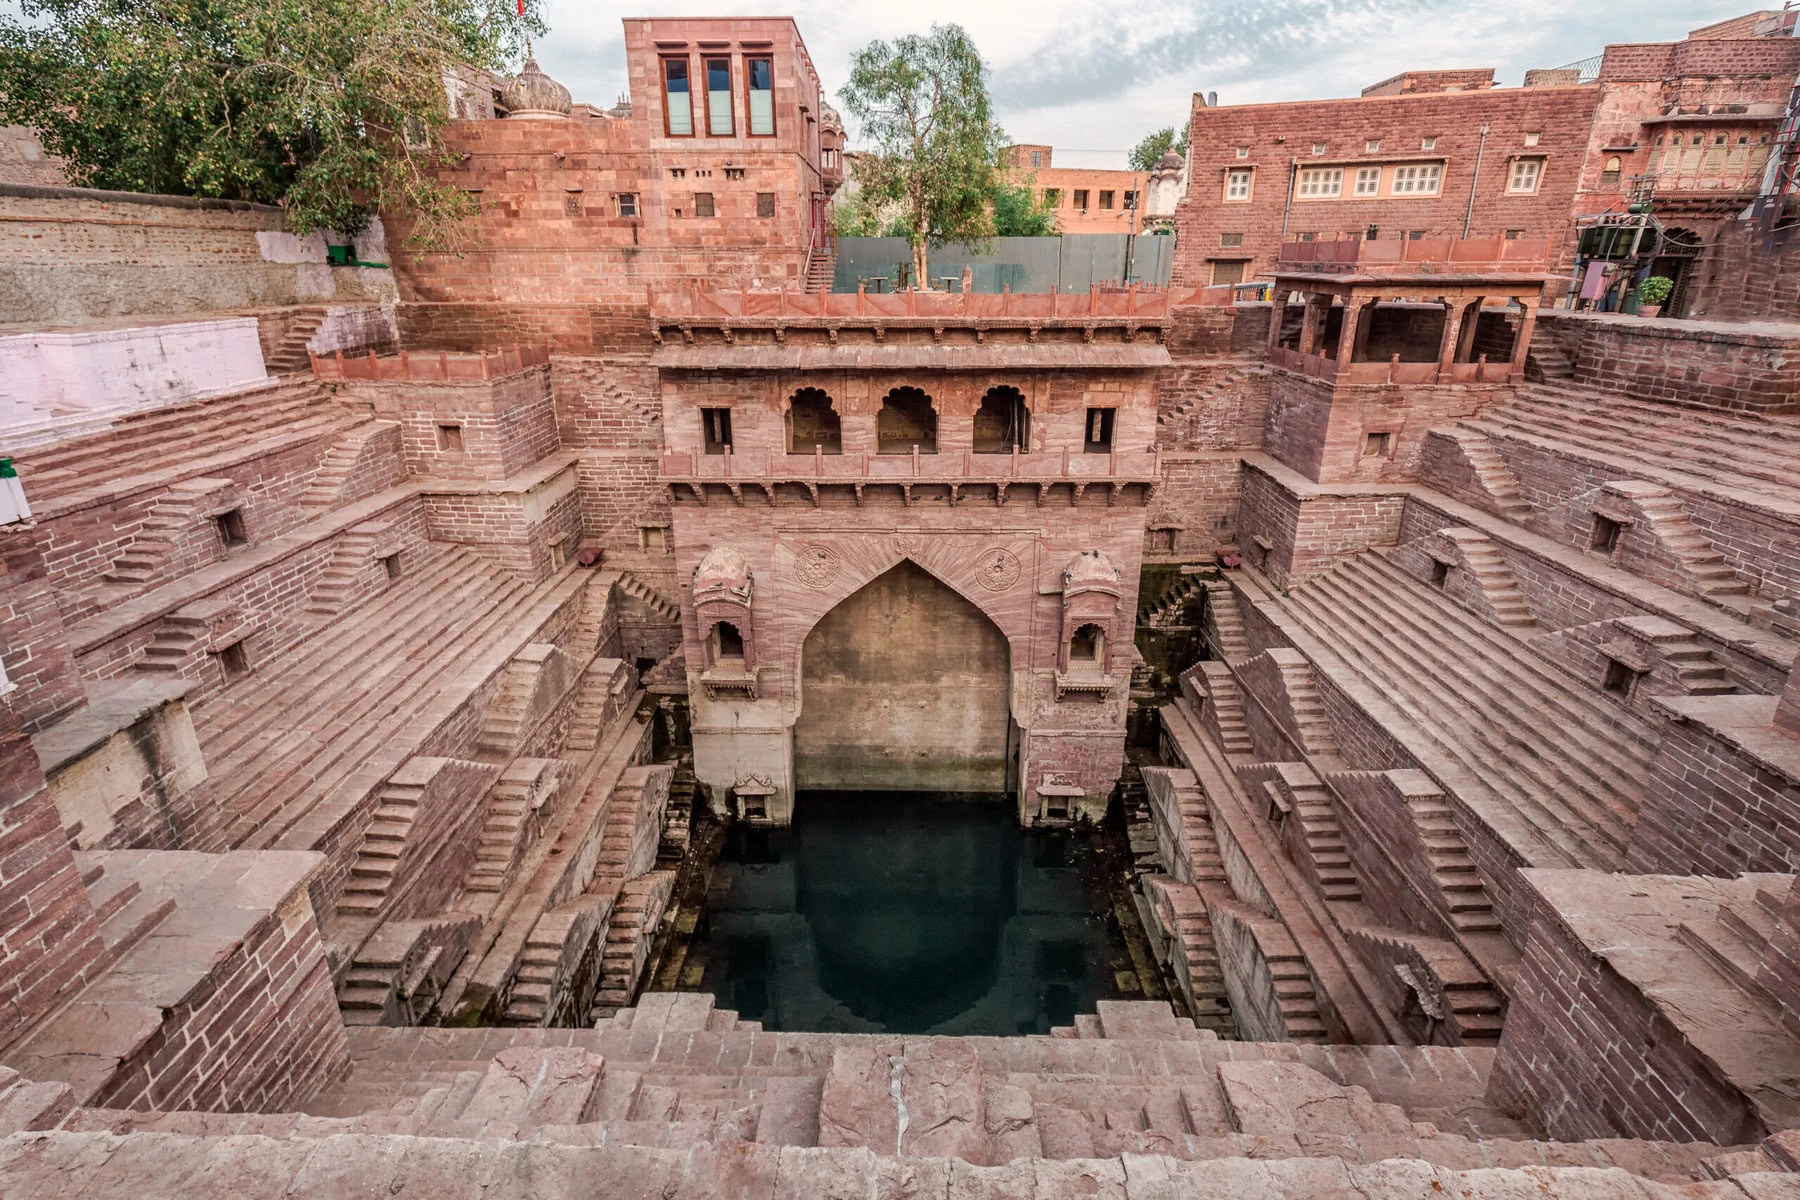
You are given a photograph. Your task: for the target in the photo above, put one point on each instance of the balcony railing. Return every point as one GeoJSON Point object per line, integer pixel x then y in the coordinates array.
{"type": "Point", "coordinates": [1415, 256]}
{"type": "Point", "coordinates": [428, 367]}
{"type": "Point", "coordinates": [1145, 303]}
{"type": "Point", "coordinates": [955, 465]}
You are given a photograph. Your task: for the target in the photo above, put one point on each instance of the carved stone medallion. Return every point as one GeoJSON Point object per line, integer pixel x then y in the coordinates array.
{"type": "Point", "coordinates": [815, 565]}
{"type": "Point", "coordinates": [908, 545]}
{"type": "Point", "coordinates": [999, 569]}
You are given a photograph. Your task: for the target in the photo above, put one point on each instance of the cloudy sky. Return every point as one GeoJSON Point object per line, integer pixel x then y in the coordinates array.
{"type": "Point", "coordinates": [1090, 78]}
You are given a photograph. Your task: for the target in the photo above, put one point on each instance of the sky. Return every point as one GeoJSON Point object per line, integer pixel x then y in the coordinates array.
{"type": "Point", "coordinates": [1089, 79]}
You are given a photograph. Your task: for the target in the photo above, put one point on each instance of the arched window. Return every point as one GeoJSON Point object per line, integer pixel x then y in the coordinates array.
{"type": "Point", "coordinates": [1002, 423]}
{"type": "Point", "coordinates": [1087, 650]}
{"type": "Point", "coordinates": [907, 419]}
{"type": "Point", "coordinates": [1609, 173]}
{"type": "Point", "coordinates": [813, 422]}
{"type": "Point", "coordinates": [728, 643]}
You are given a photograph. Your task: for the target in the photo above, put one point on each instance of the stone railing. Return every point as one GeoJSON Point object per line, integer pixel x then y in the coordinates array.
{"type": "Point", "coordinates": [756, 465]}
{"type": "Point", "coordinates": [744, 305]}
{"type": "Point", "coordinates": [1421, 256]}
{"type": "Point", "coordinates": [440, 367]}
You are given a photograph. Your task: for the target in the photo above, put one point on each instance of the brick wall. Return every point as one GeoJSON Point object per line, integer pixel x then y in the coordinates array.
{"type": "Point", "coordinates": [1324, 431]}
{"type": "Point", "coordinates": [49, 942]}
{"type": "Point", "coordinates": [1277, 135]}
{"type": "Point", "coordinates": [71, 255]}
{"type": "Point", "coordinates": [1747, 283]}
{"type": "Point", "coordinates": [517, 529]}
{"type": "Point", "coordinates": [1710, 808]}
{"type": "Point", "coordinates": [34, 644]}
{"type": "Point", "coordinates": [1670, 360]}
{"type": "Point", "coordinates": [1212, 403]}
{"type": "Point", "coordinates": [584, 327]}
{"type": "Point", "coordinates": [1196, 506]}
{"type": "Point", "coordinates": [478, 430]}
{"type": "Point", "coordinates": [1307, 534]}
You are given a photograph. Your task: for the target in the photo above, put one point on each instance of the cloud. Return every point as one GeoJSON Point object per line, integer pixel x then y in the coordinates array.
{"type": "Point", "coordinates": [1091, 84]}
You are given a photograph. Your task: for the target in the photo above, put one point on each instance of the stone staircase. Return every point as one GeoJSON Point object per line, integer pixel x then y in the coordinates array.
{"type": "Point", "coordinates": [1546, 362]}
{"type": "Point", "coordinates": [1694, 554]}
{"type": "Point", "coordinates": [1164, 611]}
{"type": "Point", "coordinates": [1674, 444]}
{"type": "Point", "coordinates": [170, 439]}
{"type": "Point", "coordinates": [821, 271]}
{"type": "Point", "coordinates": [629, 932]}
{"type": "Point", "coordinates": [1225, 709]}
{"type": "Point", "coordinates": [514, 806]}
{"type": "Point", "coordinates": [1494, 578]}
{"type": "Point", "coordinates": [1312, 726]}
{"type": "Point", "coordinates": [290, 355]}
{"type": "Point", "coordinates": [1327, 856]}
{"type": "Point", "coordinates": [328, 483]}
{"type": "Point", "coordinates": [340, 580]}
{"type": "Point", "coordinates": [372, 875]}
{"type": "Point", "coordinates": [1494, 476]}
{"type": "Point", "coordinates": [632, 585]}
{"type": "Point", "coordinates": [179, 640]}
{"type": "Point", "coordinates": [1452, 868]}
{"type": "Point", "coordinates": [313, 715]}
{"type": "Point", "coordinates": [1549, 764]}
{"type": "Point", "coordinates": [395, 975]}
{"type": "Point", "coordinates": [175, 518]}
{"type": "Point", "coordinates": [1737, 943]}
{"type": "Point", "coordinates": [1177, 420]}
{"type": "Point", "coordinates": [1227, 622]}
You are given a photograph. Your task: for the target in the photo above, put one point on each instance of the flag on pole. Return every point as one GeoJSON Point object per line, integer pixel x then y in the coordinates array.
{"type": "Point", "coordinates": [521, 7]}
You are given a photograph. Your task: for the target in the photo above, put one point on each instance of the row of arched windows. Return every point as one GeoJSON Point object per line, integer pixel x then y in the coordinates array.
{"type": "Point", "coordinates": [908, 418]}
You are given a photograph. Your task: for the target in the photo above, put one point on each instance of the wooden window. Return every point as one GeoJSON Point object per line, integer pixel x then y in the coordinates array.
{"type": "Point", "coordinates": [715, 429]}
{"type": "Point", "coordinates": [1228, 270]}
{"type": "Point", "coordinates": [759, 85]}
{"type": "Point", "coordinates": [1421, 180]}
{"type": "Point", "coordinates": [1237, 184]}
{"type": "Point", "coordinates": [1318, 149]}
{"type": "Point", "coordinates": [628, 204]}
{"type": "Point", "coordinates": [1106, 198]}
{"type": "Point", "coordinates": [1231, 239]}
{"type": "Point", "coordinates": [678, 99]}
{"type": "Point", "coordinates": [1037, 159]}
{"type": "Point", "coordinates": [1321, 183]}
{"type": "Point", "coordinates": [703, 204]}
{"type": "Point", "coordinates": [765, 204]}
{"type": "Point", "coordinates": [1525, 175]}
{"type": "Point", "coordinates": [1368, 181]}
{"type": "Point", "coordinates": [718, 97]}
{"type": "Point", "coordinates": [1081, 199]}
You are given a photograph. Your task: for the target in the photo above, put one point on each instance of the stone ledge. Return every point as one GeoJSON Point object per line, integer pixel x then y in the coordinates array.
{"type": "Point", "coordinates": [113, 706]}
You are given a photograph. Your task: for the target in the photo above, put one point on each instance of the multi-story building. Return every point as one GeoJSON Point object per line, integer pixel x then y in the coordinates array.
{"type": "Point", "coordinates": [1422, 155]}
{"type": "Point", "coordinates": [721, 166]}
{"type": "Point", "coordinates": [1685, 126]}
{"type": "Point", "coordinates": [1085, 200]}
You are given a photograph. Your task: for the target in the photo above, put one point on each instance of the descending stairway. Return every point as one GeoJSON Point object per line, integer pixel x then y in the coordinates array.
{"type": "Point", "coordinates": [1521, 738]}
{"type": "Point", "coordinates": [1546, 362]}
{"type": "Point", "coordinates": [1222, 608]}
{"type": "Point", "coordinates": [173, 437]}
{"type": "Point", "coordinates": [629, 930]}
{"type": "Point", "coordinates": [821, 271]}
{"type": "Point", "coordinates": [1452, 868]}
{"type": "Point", "coordinates": [1753, 452]}
{"type": "Point", "coordinates": [372, 874]}
{"type": "Point", "coordinates": [1496, 478]}
{"type": "Point", "coordinates": [334, 471]}
{"type": "Point", "coordinates": [632, 585]}
{"type": "Point", "coordinates": [1694, 554]}
{"type": "Point", "coordinates": [311, 717]}
{"type": "Point", "coordinates": [1324, 840]}
{"type": "Point", "coordinates": [349, 560]}
{"type": "Point", "coordinates": [1494, 579]}
{"type": "Point", "coordinates": [1225, 705]}
{"type": "Point", "coordinates": [289, 355]}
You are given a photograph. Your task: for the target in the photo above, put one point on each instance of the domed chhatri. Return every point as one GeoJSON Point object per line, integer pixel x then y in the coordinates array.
{"type": "Point", "coordinates": [533, 95]}
{"type": "Point", "coordinates": [1170, 161]}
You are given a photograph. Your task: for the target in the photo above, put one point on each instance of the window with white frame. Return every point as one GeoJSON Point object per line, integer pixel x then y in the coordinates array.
{"type": "Point", "coordinates": [1318, 148]}
{"type": "Point", "coordinates": [1525, 175]}
{"type": "Point", "coordinates": [1243, 152]}
{"type": "Point", "coordinates": [1372, 145]}
{"type": "Point", "coordinates": [1237, 185]}
{"type": "Point", "coordinates": [1531, 139]}
{"type": "Point", "coordinates": [1319, 183]}
{"type": "Point", "coordinates": [1368, 181]}
{"type": "Point", "coordinates": [1421, 180]}
{"type": "Point", "coordinates": [1429, 143]}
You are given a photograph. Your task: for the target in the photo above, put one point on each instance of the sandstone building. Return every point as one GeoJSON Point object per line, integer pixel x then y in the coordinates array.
{"type": "Point", "coordinates": [383, 660]}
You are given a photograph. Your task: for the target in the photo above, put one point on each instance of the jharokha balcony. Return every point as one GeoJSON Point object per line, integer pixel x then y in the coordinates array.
{"type": "Point", "coordinates": [1430, 311]}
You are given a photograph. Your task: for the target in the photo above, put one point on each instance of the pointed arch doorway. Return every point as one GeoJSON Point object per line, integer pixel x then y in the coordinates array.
{"type": "Point", "coordinates": [905, 686]}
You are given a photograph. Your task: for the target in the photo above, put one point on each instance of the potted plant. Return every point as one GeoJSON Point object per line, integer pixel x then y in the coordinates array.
{"type": "Point", "coordinates": [1651, 294]}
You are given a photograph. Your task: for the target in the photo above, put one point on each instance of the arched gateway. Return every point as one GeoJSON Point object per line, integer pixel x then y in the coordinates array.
{"type": "Point", "coordinates": [904, 687]}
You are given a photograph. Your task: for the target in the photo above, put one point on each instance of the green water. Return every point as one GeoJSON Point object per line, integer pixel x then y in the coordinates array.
{"type": "Point", "coordinates": [910, 913]}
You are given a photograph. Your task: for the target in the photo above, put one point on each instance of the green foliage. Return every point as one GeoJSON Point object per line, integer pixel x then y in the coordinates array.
{"type": "Point", "coordinates": [296, 102]}
{"type": "Point", "coordinates": [1145, 154]}
{"type": "Point", "coordinates": [922, 104]}
{"type": "Point", "coordinates": [1017, 212]}
{"type": "Point", "coordinates": [1655, 289]}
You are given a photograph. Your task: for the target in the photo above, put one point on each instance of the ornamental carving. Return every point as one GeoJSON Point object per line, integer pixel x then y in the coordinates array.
{"type": "Point", "coordinates": [908, 545]}
{"type": "Point", "coordinates": [999, 569]}
{"type": "Point", "coordinates": [815, 565]}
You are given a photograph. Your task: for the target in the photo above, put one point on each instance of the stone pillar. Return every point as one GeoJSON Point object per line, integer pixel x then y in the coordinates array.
{"type": "Point", "coordinates": [1522, 345]}
{"type": "Point", "coordinates": [1453, 320]}
{"type": "Point", "coordinates": [1365, 321]}
{"type": "Point", "coordinates": [1351, 334]}
{"type": "Point", "coordinates": [1277, 317]}
{"type": "Point", "coordinates": [1471, 321]}
{"type": "Point", "coordinates": [1310, 326]}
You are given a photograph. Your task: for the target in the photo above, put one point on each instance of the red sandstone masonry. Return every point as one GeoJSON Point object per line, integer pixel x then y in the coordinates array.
{"type": "Point", "coordinates": [478, 430]}
{"type": "Point", "coordinates": [34, 644]}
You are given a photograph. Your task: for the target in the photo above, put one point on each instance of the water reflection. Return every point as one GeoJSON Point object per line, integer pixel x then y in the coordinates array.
{"type": "Point", "coordinates": [907, 913]}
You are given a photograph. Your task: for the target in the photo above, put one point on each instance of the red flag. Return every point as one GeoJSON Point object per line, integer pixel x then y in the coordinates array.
{"type": "Point", "coordinates": [521, 7]}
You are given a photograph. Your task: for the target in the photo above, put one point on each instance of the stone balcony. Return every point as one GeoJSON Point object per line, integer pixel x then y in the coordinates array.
{"type": "Point", "coordinates": [1066, 477]}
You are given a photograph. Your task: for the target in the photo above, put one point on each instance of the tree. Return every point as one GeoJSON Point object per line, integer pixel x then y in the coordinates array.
{"type": "Point", "coordinates": [1017, 212]}
{"type": "Point", "coordinates": [332, 108]}
{"type": "Point", "coordinates": [922, 103]}
{"type": "Point", "coordinates": [1145, 154]}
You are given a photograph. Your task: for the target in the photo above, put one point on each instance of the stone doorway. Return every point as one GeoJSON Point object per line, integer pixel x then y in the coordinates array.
{"type": "Point", "coordinates": [904, 687]}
